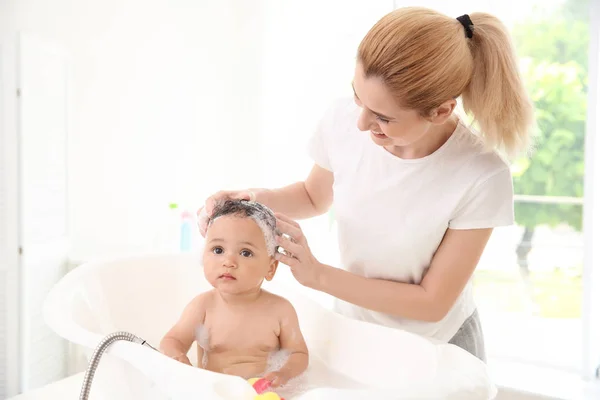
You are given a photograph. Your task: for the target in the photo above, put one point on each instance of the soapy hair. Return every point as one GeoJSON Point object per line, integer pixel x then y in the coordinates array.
{"type": "Point", "coordinates": [261, 214]}
{"type": "Point", "coordinates": [426, 58]}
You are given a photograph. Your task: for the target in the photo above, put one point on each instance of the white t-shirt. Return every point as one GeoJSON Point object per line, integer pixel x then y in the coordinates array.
{"type": "Point", "coordinates": [392, 213]}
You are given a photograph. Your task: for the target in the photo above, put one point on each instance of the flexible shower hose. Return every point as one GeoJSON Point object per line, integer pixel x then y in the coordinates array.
{"type": "Point", "coordinates": [97, 354]}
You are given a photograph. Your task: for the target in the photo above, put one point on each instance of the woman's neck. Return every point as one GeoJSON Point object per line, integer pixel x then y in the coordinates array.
{"type": "Point", "coordinates": [429, 143]}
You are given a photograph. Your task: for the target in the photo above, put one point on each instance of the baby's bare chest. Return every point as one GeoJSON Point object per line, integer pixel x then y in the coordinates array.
{"type": "Point", "coordinates": [226, 331]}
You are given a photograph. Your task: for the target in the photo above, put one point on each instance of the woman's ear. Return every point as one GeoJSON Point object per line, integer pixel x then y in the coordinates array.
{"type": "Point", "coordinates": [440, 114]}
{"type": "Point", "coordinates": [272, 269]}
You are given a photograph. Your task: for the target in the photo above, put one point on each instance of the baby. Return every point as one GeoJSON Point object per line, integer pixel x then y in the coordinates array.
{"type": "Point", "coordinates": [238, 325]}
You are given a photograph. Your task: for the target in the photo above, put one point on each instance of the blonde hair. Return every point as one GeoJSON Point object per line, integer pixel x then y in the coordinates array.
{"type": "Point", "coordinates": [425, 58]}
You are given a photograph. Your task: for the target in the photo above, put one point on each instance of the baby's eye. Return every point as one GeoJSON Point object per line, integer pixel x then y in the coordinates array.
{"type": "Point", "coordinates": [217, 250]}
{"type": "Point", "coordinates": [246, 253]}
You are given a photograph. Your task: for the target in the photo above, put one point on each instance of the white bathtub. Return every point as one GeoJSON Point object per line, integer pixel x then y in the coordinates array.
{"type": "Point", "coordinates": [348, 359]}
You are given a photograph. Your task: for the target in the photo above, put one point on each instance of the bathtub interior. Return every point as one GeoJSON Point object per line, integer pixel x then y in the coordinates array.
{"type": "Point", "coordinates": [146, 295]}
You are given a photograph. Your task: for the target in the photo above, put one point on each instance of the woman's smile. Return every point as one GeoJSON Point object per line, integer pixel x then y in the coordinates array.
{"type": "Point", "coordinates": [378, 135]}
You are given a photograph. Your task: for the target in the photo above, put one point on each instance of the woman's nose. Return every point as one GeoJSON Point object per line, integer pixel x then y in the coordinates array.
{"type": "Point", "coordinates": [364, 120]}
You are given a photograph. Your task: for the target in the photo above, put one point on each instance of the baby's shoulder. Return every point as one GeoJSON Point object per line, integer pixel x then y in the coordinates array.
{"type": "Point", "coordinates": [280, 305]}
{"type": "Point", "coordinates": [202, 300]}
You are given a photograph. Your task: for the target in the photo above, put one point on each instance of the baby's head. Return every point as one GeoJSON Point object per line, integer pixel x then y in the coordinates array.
{"type": "Point", "coordinates": [240, 246]}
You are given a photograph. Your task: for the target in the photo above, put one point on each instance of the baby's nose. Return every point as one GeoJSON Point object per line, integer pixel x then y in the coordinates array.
{"type": "Point", "coordinates": [229, 262]}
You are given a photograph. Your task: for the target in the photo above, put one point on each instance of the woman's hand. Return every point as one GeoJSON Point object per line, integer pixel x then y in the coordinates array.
{"type": "Point", "coordinates": [305, 267]}
{"type": "Point", "coordinates": [209, 205]}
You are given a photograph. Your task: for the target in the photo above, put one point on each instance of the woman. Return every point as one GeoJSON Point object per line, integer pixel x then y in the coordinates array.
{"type": "Point", "coordinates": [417, 191]}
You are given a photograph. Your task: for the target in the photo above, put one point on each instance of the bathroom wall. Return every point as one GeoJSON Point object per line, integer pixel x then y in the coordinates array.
{"type": "Point", "coordinates": [309, 58]}
{"type": "Point", "coordinates": [161, 94]}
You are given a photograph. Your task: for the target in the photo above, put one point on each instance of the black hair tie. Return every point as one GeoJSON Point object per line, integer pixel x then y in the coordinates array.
{"type": "Point", "coordinates": [466, 22]}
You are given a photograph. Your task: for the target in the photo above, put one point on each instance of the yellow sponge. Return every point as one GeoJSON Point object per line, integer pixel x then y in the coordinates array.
{"type": "Point", "coordinates": [267, 396]}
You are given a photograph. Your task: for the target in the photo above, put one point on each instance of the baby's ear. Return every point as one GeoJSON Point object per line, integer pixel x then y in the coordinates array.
{"type": "Point", "coordinates": [272, 269]}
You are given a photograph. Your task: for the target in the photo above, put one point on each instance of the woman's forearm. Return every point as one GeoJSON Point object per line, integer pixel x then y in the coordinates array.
{"type": "Point", "coordinates": [292, 200]}
{"type": "Point", "coordinates": [395, 298]}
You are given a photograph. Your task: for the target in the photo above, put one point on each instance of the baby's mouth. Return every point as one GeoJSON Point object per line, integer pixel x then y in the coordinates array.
{"type": "Point", "coordinates": [227, 276]}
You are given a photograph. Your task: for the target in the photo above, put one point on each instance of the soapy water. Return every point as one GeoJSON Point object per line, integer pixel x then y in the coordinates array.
{"type": "Point", "coordinates": [261, 214]}
{"type": "Point", "coordinates": [275, 361]}
{"type": "Point", "coordinates": [316, 375]}
{"type": "Point", "coordinates": [294, 386]}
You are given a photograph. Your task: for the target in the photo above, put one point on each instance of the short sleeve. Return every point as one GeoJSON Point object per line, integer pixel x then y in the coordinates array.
{"type": "Point", "coordinates": [488, 204]}
{"type": "Point", "coordinates": [318, 148]}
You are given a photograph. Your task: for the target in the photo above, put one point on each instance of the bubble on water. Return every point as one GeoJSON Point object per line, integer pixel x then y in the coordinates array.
{"type": "Point", "coordinates": [294, 386]}
{"type": "Point", "coordinates": [277, 360]}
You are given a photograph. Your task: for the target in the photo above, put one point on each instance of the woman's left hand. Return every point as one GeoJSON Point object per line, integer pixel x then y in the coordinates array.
{"type": "Point", "coordinates": [305, 267]}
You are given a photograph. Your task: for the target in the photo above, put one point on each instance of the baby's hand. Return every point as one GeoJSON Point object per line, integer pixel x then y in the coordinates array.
{"type": "Point", "coordinates": [181, 358]}
{"type": "Point", "coordinates": [277, 378]}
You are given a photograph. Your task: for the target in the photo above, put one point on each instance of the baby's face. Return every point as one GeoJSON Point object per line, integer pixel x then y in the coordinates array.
{"type": "Point", "coordinates": [235, 256]}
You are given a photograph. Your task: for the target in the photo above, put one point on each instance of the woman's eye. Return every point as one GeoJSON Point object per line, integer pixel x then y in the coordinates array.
{"type": "Point", "coordinates": [217, 250]}
{"type": "Point", "coordinates": [382, 120]}
{"type": "Point", "coordinates": [246, 253]}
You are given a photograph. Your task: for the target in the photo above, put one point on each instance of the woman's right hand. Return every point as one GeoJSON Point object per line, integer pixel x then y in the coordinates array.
{"type": "Point", "coordinates": [209, 205]}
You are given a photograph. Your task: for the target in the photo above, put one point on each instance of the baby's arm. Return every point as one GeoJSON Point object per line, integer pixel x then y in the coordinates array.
{"type": "Point", "coordinates": [178, 340]}
{"type": "Point", "coordinates": [292, 341]}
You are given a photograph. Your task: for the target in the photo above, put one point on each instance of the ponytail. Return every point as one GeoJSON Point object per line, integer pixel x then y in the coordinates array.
{"type": "Point", "coordinates": [496, 96]}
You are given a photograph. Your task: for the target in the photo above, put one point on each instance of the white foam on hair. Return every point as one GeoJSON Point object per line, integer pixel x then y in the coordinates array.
{"type": "Point", "coordinates": [268, 233]}
{"type": "Point", "coordinates": [260, 218]}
